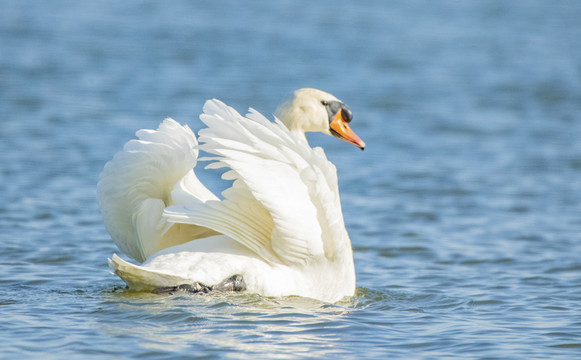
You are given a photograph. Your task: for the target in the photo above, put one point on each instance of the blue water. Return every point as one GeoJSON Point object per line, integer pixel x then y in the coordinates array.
{"type": "Point", "coordinates": [464, 210]}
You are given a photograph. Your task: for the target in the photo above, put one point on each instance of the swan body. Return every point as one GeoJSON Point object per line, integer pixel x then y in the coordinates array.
{"type": "Point", "coordinates": [279, 226]}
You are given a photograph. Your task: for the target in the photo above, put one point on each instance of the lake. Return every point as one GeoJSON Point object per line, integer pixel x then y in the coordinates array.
{"type": "Point", "coordinates": [464, 210]}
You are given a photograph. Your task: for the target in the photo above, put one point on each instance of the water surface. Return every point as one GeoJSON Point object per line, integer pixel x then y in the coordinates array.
{"type": "Point", "coordinates": [464, 210]}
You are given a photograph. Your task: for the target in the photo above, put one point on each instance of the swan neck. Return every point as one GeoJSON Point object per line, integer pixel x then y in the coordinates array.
{"type": "Point", "coordinates": [299, 132]}
{"type": "Point", "coordinates": [288, 117]}
{"type": "Point", "coordinates": [289, 114]}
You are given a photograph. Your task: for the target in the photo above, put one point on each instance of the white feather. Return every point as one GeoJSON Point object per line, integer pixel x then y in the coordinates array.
{"type": "Point", "coordinates": [136, 186]}
{"type": "Point", "coordinates": [280, 223]}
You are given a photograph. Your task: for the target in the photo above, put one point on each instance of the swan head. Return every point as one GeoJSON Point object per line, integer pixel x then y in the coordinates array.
{"type": "Point", "coordinates": [312, 110]}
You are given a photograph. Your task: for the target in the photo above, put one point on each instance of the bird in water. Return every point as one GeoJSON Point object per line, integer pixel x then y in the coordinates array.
{"type": "Point", "coordinates": [277, 231]}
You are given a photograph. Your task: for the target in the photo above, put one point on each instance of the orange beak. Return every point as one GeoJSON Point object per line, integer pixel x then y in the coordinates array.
{"type": "Point", "coordinates": [341, 129]}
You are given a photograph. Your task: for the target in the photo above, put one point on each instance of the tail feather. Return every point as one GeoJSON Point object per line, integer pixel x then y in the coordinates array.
{"type": "Point", "coordinates": [139, 278]}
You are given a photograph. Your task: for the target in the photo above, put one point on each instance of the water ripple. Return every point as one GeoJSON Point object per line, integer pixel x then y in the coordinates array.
{"type": "Point", "coordinates": [463, 210]}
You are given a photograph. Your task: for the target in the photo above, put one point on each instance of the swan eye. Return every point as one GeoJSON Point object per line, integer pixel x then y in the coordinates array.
{"type": "Point", "coordinates": [333, 107]}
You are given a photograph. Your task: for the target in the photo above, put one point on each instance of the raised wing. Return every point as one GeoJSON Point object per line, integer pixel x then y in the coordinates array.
{"type": "Point", "coordinates": [283, 204]}
{"type": "Point", "coordinates": [151, 172]}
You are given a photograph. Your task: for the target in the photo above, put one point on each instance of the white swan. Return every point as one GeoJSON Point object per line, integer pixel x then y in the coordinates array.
{"type": "Point", "coordinates": [279, 229]}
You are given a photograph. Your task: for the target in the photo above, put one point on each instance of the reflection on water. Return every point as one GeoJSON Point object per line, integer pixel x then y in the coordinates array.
{"type": "Point", "coordinates": [245, 324]}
